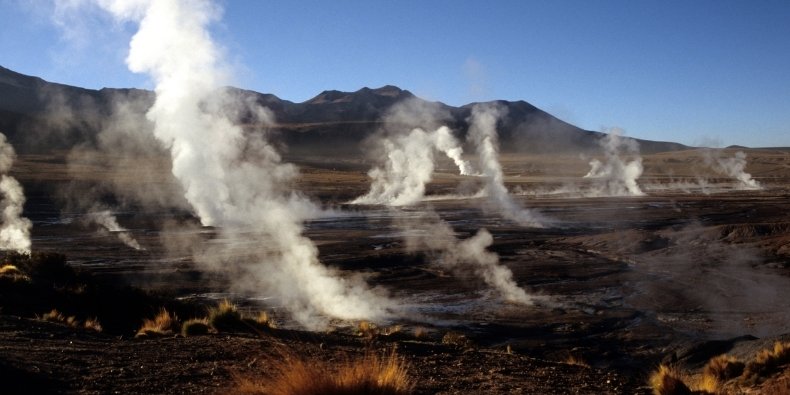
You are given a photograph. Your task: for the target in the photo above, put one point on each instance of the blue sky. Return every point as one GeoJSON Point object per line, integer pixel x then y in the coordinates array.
{"type": "Point", "coordinates": [688, 71]}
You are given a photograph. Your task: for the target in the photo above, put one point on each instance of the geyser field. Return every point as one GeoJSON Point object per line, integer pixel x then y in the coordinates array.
{"type": "Point", "coordinates": [620, 282]}
{"type": "Point", "coordinates": [201, 238]}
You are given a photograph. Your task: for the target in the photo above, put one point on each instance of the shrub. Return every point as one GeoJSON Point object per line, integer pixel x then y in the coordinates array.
{"type": "Point", "coordinates": [195, 327]}
{"type": "Point", "coordinates": [162, 325]}
{"type": "Point", "coordinates": [258, 324]}
{"type": "Point", "coordinates": [226, 317]}
{"type": "Point", "coordinates": [668, 381]}
{"type": "Point", "coordinates": [13, 273]}
{"type": "Point", "coordinates": [767, 361]}
{"type": "Point", "coordinates": [367, 329]}
{"type": "Point", "coordinates": [369, 375]}
{"type": "Point", "coordinates": [56, 316]}
{"type": "Point", "coordinates": [576, 359]}
{"type": "Point", "coordinates": [47, 267]}
{"type": "Point", "coordinates": [92, 324]}
{"type": "Point", "coordinates": [723, 368]}
{"type": "Point", "coordinates": [456, 339]}
{"type": "Point", "coordinates": [420, 333]}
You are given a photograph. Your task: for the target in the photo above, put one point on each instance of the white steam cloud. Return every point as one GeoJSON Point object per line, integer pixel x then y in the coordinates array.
{"type": "Point", "coordinates": [621, 167]}
{"type": "Point", "coordinates": [409, 166]}
{"type": "Point", "coordinates": [107, 220]}
{"type": "Point", "coordinates": [732, 167]}
{"type": "Point", "coordinates": [430, 233]}
{"type": "Point", "coordinates": [483, 133]}
{"type": "Point", "coordinates": [14, 229]}
{"type": "Point", "coordinates": [233, 178]}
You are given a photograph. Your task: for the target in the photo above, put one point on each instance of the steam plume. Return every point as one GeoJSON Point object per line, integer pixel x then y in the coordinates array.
{"type": "Point", "coordinates": [15, 229]}
{"type": "Point", "coordinates": [462, 256]}
{"type": "Point", "coordinates": [409, 166]}
{"type": "Point", "coordinates": [616, 173]}
{"type": "Point", "coordinates": [482, 132]}
{"type": "Point", "coordinates": [234, 179]}
{"type": "Point", "coordinates": [107, 220]}
{"type": "Point", "coordinates": [733, 167]}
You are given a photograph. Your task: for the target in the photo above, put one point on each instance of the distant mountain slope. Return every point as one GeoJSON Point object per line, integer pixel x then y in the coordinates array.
{"type": "Point", "coordinates": [38, 115]}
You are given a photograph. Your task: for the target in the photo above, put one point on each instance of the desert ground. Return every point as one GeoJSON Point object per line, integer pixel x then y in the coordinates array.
{"type": "Point", "coordinates": [695, 268]}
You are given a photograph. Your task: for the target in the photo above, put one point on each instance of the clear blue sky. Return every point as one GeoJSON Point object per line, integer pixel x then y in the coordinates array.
{"type": "Point", "coordinates": [686, 71]}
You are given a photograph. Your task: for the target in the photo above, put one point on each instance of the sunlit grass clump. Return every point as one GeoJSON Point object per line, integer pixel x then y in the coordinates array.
{"type": "Point", "coordinates": [767, 361]}
{"type": "Point", "coordinates": [56, 316]}
{"type": "Point", "coordinates": [12, 273]}
{"type": "Point", "coordinates": [225, 317]}
{"type": "Point", "coordinates": [368, 375]}
{"type": "Point", "coordinates": [727, 374]}
{"type": "Point", "coordinates": [163, 324]}
{"type": "Point", "coordinates": [668, 381]}
{"type": "Point", "coordinates": [196, 327]}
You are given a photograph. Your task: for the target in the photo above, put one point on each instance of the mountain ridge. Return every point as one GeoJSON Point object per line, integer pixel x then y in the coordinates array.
{"type": "Point", "coordinates": [30, 104]}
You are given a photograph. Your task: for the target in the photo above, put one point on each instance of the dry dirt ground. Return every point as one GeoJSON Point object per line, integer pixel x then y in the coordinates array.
{"type": "Point", "coordinates": [692, 270]}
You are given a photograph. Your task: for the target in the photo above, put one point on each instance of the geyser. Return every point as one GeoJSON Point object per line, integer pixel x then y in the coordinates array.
{"type": "Point", "coordinates": [409, 166]}
{"type": "Point", "coordinates": [621, 167]}
{"type": "Point", "coordinates": [233, 178]}
{"type": "Point", "coordinates": [14, 229]}
{"type": "Point", "coordinates": [483, 133]}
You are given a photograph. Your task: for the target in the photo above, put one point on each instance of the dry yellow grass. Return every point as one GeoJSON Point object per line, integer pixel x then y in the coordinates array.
{"type": "Point", "coordinates": [56, 316]}
{"type": "Point", "coordinates": [578, 360]}
{"type": "Point", "coordinates": [668, 381]}
{"type": "Point", "coordinates": [195, 327]}
{"type": "Point", "coordinates": [456, 339]}
{"type": "Point", "coordinates": [92, 324]}
{"type": "Point", "coordinates": [225, 317]}
{"type": "Point", "coordinates": [163, 324]}
{"type": "Point", "coordinates": [13, 273]}
{"type": "Point", "coordinates": [368, 375]}
{"type": "Point", "coordinates": [420, 333]}
{"type": "Point", "coordinates": [263, 319]}
{"type": "Point", "coordinates": [767, 361]}
{"type": "Point", "coordinates": [367, 329]}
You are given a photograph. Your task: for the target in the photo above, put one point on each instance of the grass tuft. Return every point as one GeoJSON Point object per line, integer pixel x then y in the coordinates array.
{"type": "Point", "coordinates": [766, 362]}
{"type": "Point", "coordinates": [575, 359]}
{"type": "Point", "coordinates": [369, 375]}
{"type": "Point", "coordinates": [420, 333]}
{"type": "Point", "coordinates": [56, 316]}
{"type": "Point", "coordinates": [163, 324]}
{"type": "Point", "coordinates": [723, 368]}
{"type": "Point", "coordinates": [13, 273]}
{"type": "Point", "coordinates": [226, 317]}
{"type": "Point", "coordinates": [92, 324]}
{"type": "Point", "coordinates": [457, 339]}
{"type": "Point", "coordinates": [668, 381]}
{"type": "Point", "coordinates": [195, 327]}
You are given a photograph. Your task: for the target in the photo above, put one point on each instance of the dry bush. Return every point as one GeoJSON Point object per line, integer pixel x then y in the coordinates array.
{"type": "Point", "coordinates": [13, 273]}
{"type": "Point", "coordinates": [457, 339]}
{"type": "Point", "coordinates": [420, 333]}
{"type": "Point", "coordinates": [226, 317]}
{"type": "Point", "coordinates": [56, 316]}
{"type": "Point", "coordinates": [779, 385]}
{"type": "Point", "coordinates": [367, 329]}
{"type": "Point", "coordinates": [195, 327]}
{"type": "Point", "coordinates": [575, 359]}
{"type": "Point", "coordinates": [766, 362]}
{"type": "Point", "coordinates": [162, 325]}
{"type": "Point", "coordinates": [92, 324]}
{"type": "Point", "coordinates": [258, 324]}
{"type": "Point", "coordinates": [263, 319]}
{"type": "Point", "coordinates": [368, 375]}
{"type": "Point", "coordinates": [723, 368]}
{"type": "Point", "coordinates": [668, 381]}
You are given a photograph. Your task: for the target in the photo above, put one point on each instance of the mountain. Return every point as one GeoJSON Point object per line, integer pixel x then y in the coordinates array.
{"type": "Point", "coordinates": [37, 115]}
